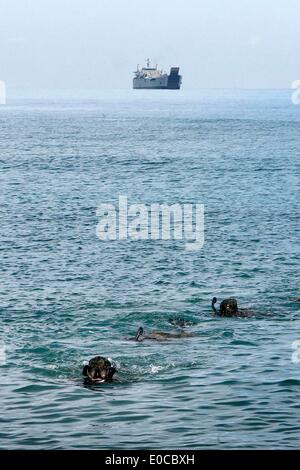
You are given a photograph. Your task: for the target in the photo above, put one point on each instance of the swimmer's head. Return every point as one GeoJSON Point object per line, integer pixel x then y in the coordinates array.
{"type": "Point", "coordinates": [99, 370]}
{"type": "Point", "coordinates": [228, 308]}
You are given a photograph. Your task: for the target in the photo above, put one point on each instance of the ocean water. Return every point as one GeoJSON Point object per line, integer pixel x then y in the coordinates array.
{"type": "Point", "coordinates": [65, 296]}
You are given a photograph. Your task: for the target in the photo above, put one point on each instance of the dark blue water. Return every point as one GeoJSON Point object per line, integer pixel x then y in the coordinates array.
{"type": "Point", "coordinates": [65, 296]}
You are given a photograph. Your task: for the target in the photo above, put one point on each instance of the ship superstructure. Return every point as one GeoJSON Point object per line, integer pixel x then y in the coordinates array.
{"type": "Point", "coordinates": [150, 77]}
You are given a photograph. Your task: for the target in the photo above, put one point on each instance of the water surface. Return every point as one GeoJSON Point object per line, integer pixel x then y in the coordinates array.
{"type": "Point", "coordinates": [65, 296]}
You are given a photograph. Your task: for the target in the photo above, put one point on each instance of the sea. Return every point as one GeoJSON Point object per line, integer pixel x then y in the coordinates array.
{"type": "Point", "coordinates": [67, 296]}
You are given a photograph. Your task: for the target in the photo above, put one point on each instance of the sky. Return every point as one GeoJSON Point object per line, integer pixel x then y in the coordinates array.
{"type": "Point", "coordinates": [96, 44]}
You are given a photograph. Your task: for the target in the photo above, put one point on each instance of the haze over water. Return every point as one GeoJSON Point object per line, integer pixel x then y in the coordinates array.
{"type": "Point", "coordinates": [65, 296]}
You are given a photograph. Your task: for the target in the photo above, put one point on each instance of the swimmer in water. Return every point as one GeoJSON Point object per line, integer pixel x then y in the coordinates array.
{"type": "Point", "coordinates": [159, 335]}
{"type": "Point", "coordinates": [229, 308]}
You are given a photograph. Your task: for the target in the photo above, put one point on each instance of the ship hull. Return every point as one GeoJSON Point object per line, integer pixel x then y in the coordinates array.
{"type": "Point", "coordinates": [159, 83]}
{"type": "Point", "coordinates": [146, 87]}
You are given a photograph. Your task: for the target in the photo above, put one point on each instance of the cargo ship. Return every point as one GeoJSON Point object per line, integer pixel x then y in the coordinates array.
{"type": "Point", "coordinates": [150, 78]}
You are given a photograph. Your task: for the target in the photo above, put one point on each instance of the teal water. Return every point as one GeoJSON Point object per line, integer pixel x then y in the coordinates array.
{"type": "Point", "coordinates": [65, 296]}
